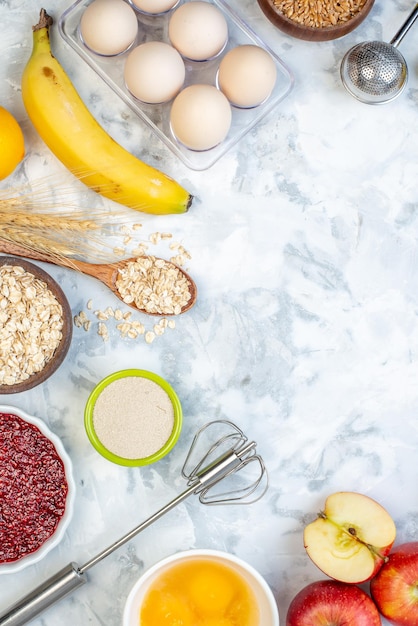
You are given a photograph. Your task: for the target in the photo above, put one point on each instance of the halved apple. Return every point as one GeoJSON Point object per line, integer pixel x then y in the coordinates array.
{"type": "Point", "coordinates": [351, 538]}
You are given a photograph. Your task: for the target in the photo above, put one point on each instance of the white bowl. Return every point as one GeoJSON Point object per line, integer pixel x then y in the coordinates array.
{"type": "Point", "coordinates": [55, 538]}
{"type": "Point", "coordinates": [269, 614]}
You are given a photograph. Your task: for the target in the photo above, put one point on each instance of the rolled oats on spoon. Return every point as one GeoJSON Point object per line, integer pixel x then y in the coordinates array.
{"type": "Point", "coordinates": [150, 285]}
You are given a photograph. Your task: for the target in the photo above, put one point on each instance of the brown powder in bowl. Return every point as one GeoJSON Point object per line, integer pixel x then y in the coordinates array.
{"type": "Point", "coordinates": [133, 417]}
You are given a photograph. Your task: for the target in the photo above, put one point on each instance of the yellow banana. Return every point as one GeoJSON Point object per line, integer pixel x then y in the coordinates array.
{"type": "Point", "coordinates": [77, 139]}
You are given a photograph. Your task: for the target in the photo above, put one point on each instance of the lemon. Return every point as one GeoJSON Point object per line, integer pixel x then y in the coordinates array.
{"type": "Point", "coordinates": [12, 144]}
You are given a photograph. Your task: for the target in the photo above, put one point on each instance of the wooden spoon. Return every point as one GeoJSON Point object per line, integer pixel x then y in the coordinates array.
{"type": "Point", "coordinates": [107, 273]}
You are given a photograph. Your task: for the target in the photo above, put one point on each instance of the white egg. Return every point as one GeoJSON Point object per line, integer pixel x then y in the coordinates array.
{"type": "Point", "coordinates": [198, 30]}
{"type": "Point", "coordinates": [200, 117]}
{"type": "Point", "coordinates": [108, 27]}
{"type": "Point", "coordinates": [154, 6]}
{"type": "Point", "coordinates": [154, 72]}
{"type": "Point", "coordinates": [247, 75]}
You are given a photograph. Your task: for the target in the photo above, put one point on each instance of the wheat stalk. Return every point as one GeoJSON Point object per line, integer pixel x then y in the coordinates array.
{"type": "Point", "coordinates": [35, 220]}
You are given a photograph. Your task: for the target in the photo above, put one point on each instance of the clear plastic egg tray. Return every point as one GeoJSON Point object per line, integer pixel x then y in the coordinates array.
{"type": "Point", "coordinates": [157, 116]}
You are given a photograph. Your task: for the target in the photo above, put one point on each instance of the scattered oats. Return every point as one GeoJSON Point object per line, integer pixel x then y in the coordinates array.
{"type": "Point", "coordinates": [182, 250]}
{"type": "Point", "coordinates": [155, 238]}
{"type": "Point", "coordinates": [101, 315]}
{"type": "Point", "coordinates": [31, 324]}
{"type": "Point", "coordinates": [152, 284]}
{"type": "Point", "coordinates": [140, 328]}
{"type": "Point", "coordinates": [123, 328]}
{"type": "Point", "coordinates": [80, 319]}
{"type": "Point", "coordinates": [103, 332]}
{"type": "Point", "coordinates": [159, 330]}
{"type": "Point", "coordinates": [141, 250]}
{"type": "Point", "coordinates": [149, 336]}
{"type": "Point", "coordinates": [179, 260]}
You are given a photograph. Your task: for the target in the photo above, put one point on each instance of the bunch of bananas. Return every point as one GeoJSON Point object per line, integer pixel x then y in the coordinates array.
{"type": "Point", "coordinates": [84, 147]}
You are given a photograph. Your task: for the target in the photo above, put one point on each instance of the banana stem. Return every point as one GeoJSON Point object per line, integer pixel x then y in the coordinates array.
{"type": "Point", "coordinates": [45, 21]}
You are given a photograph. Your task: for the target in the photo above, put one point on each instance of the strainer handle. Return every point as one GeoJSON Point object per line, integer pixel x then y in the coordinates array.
{"type": "Point", "coordinates": [405, 27]}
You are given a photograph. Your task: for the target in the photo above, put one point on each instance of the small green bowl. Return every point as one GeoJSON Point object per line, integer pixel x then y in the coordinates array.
{"type": "Point", "coordinates": [120, 460]}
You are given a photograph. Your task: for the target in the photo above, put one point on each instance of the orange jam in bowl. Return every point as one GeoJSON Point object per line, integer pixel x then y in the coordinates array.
{"type": "Point", "coordinates": [201, 588]}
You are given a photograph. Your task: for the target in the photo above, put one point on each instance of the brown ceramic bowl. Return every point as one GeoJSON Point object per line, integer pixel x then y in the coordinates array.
{"type": "Point", "coordinates": [309, 33]}
{"type": "Point", "coordinates": [67, 329]}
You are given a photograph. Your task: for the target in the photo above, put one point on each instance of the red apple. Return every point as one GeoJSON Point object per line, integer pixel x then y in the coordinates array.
{"type": "Point", "coordinates": [395, 588]}
{"type": "Point", "coordinates": [332, 603]}
{"type": "Point", "coordinates": [351, 538]}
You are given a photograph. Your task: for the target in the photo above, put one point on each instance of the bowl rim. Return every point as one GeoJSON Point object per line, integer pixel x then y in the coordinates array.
{"type": "Point", "coordinates": [56, 537]}
{"type": "Point", "coordinates": [322, 34]}
{"type": "Point", "coordinates": [64, 345]}
{"type": "Point", "coordinates": [149, 574]}
{"type": "Point", "coordinates": [94, 439]}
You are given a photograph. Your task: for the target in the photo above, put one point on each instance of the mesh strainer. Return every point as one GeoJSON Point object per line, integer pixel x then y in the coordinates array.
{"type": "Point", "coordinates": [375, 72]}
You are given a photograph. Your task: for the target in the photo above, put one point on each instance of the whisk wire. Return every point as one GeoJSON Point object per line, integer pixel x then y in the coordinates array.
{"type": "Point", "coordinates": [250, 493]}
{"type": "Point", "coordinates": [233, 439]}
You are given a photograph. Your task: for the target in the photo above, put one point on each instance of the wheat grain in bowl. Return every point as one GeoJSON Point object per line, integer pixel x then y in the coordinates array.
{"type": "Point", "coordinates": [320, 13]}
{"type": "Point", "coordinates": [316, 20]}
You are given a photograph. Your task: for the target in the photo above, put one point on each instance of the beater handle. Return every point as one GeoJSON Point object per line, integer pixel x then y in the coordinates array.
{"type": "Point", "coordinates": [55, 588]}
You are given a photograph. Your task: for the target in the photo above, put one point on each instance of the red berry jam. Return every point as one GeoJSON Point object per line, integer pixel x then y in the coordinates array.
{"type": "Point", "coordinates": [33, 488]}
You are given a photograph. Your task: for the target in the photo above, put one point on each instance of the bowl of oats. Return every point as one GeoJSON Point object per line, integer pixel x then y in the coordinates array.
{"type": "Point", "coordinates": [35, 325]}
{"type": "Point", "coordinates": [316, 20]}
